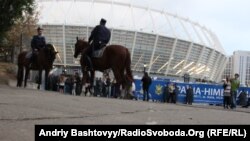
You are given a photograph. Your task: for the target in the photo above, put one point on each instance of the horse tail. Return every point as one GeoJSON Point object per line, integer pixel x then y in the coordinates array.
{"type": "Point", "coordinates": [128, 66]}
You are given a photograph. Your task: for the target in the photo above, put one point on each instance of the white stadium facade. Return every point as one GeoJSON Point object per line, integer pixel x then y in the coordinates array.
{"type": "Point", "coordinates": [164, 44]}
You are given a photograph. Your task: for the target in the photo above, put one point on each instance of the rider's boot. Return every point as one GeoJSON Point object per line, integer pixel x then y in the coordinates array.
{"type": "Point", "coordinates": [31, 60]}
{"type": "Point", "coordinates": [89, 63]}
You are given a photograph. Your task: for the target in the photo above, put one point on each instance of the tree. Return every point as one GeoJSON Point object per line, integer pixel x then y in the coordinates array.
{"type": "Point", "coordinates": [23, 28]}
{"type": "Point", "coordinates": [16, 29]}
{"type": "Point", "coordinates": [20, 33]}
{"type": "Point", "coordinates": [11, 11]}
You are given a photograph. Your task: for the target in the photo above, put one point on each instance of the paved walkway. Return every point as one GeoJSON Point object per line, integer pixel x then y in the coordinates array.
{"type": "Point", "coordinates": [23, 108]}
{"type": "Point", "coordinates": [31, 85]}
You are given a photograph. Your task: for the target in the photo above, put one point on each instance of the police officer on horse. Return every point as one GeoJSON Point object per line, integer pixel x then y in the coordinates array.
{"type": "Point", "coordinates": [38, 41]}
{"type": "Point", "coordinates": [99, 38]}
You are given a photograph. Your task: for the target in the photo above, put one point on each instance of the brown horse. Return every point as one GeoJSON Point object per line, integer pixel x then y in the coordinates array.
{"type": "Point", "coordinates": [115, 57]}
{"type": "Point", "coordinates": [44, 61]}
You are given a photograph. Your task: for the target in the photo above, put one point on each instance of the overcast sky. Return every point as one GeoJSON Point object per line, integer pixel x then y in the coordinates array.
{"type": "Point", "coordinates": [228, 19]}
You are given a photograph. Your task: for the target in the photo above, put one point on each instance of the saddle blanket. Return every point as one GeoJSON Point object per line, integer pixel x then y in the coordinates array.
{"type": "Point", "coordinates": [98, 53]}
{"type": "Point", "coordinates": [28, 55]}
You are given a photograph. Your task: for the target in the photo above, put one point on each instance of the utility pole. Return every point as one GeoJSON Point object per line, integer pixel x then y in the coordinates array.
{"type": "Point", "coordinates": [21, 42]}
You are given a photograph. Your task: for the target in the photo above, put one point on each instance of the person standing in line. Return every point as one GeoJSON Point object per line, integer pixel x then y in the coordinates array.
{"type": "Point", "coordinates": [227, 89]}
{"type": "Point", "coordinates": [88, 90]}
{"type": "Point", "coordinates": [73, 90]}
{"type": "Point", "coordinates": [107, 86]}
{"type": "Point", "coordinates": [242, 98]}
{"type": "Point", "coordinates": [61, 83]}
{"type": "Point", "coordinates": [146, 82]}
{"type": "Point", "coordinates": [176, 93]}
{"type": "Point", "coordinates": [165, 93]}
{"type": "Point", "coordinates": [235, 84]}
{"type": "Point", "coordinates": [171, 96]}
{"type": "Point", "coordinates": [190, 94]}
{"type": "Point", "coordinates": [78, 84]}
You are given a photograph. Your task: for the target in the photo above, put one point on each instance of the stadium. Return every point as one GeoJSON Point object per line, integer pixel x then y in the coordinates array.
{"type": "Point", "coordinates": [160, 43]}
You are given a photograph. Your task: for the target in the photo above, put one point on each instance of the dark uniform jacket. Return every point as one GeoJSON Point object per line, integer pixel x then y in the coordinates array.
{"type": "Point", "coordinates": [100, 36]}
{"type": "Point", "coordinates": [38, 42]}
{"type": "Point", "coordinates": [146, 82]}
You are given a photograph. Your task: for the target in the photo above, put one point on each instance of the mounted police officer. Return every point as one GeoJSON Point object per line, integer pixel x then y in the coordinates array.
{"type": "Point", "coordinates": [38, 41]}
{"type": "Point", "coordinates": [99, 38]}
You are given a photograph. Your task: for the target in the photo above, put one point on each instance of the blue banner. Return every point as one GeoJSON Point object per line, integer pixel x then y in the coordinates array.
{"type": "Point", "coordinates": [202, 93]}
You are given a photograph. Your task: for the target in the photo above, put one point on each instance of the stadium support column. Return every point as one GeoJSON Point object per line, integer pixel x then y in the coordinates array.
{"type": "Point", "coordinates": [135, 35]}
{"type": "Point", "coordinates": [190, 46]}
{"type": "Point", "coordinates": [153, 54]}
{"type": "Point", "coordinates": [171, 56]}
{"type": "Point", "coordinates": [214, 72]}
{"type": "Point", "coordinates": [64, 46]}
{"type": "Point", "coordinates": [174, 44]}
{"type": "Point", "coordinates": [133, 47]}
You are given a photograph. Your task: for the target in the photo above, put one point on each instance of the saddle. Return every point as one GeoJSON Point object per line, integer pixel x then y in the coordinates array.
{"type": "Point", "coordinates": [32, 58]}
{"type": "Point", "coordinates": [28, 55]}
{"type": "Point", "coordinates": [98, 53]}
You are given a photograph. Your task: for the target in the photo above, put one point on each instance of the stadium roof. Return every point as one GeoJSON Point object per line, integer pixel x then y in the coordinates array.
{"type": "Point", "coordinates": [125, 16]}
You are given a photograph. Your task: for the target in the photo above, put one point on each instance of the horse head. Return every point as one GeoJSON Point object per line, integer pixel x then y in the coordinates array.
{"type": "Point", "coordinates": [51, 53]}
{"type": "Point", "coordinates": [80, 45]}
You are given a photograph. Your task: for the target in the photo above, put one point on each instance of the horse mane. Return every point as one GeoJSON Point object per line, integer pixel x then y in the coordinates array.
{"type": "Point", "coordinates": [83, 41]}
{"type": "Point", "coordinates": [50, 47]}
{"type": "Point", "coordinates": [50, 50]}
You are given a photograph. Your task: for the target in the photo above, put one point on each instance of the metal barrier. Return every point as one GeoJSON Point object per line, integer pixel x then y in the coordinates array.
{"type": "Point", "coordinates": [202, 93]}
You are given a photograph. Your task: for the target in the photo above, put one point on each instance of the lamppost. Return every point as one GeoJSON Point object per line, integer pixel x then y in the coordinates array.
{"type": "Point", "coordinates": [21, 41]}
{"type": "Point", "coordinates": [144, 68]}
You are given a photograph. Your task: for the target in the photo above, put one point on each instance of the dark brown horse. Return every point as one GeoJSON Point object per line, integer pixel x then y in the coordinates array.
{"type": "Point", "coordinates": [44, 61]}
{"type": "Point", "coordinates": [114, 57]}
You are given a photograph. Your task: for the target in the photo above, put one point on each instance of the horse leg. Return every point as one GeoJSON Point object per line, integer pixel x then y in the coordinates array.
{"type": "Point", "coordinates": [27, 71]}
{"type": "Point", "coordinates": [118, 78]}
{"type": "Point", "coordinates": [46, 86]}
{"type": "Point", "coordinates": [92, 76]}
{"type": "Point", "coordinates": [84, 78]}
{"type": "Point", "coordinates": [126, 87]}
{"type": "Point", "coordinates": [123, 84]}
{"type": "Point", "coordinates": [19, 76]}
{"type": "Point", "coordinates": [83, 86]}
{"type": "Point", "coordinates": [39, 79]}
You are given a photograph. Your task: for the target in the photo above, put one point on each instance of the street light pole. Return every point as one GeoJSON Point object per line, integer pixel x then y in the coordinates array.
{"type": "Point", "coordinates": [144, 68]}
{"type": "Point", "coordinates": [21, 42]}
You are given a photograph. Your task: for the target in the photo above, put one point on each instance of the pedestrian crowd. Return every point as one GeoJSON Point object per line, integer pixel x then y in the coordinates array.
{"type": "Point", "coordinates": [107, 87]}
{"type": "Point", "coordinates": [72, 84]}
